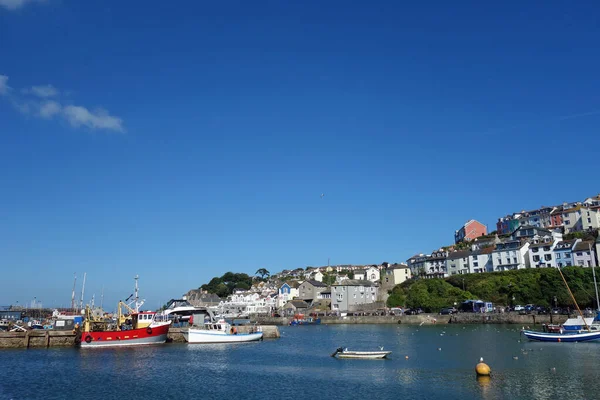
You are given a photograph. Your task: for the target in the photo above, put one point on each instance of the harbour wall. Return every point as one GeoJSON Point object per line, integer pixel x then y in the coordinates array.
{"type": "Point", "coordinates": [37, 338]}
{"type": "Point", "coordinates": [49, 338]}
{"type": "Point", "coordinates": [460, 318]}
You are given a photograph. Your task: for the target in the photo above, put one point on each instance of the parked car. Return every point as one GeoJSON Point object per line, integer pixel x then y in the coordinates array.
{"type": "Point", "coordinates": [556, 310]}
{"type": "Point", "coordinates": [519, 308]}
{"type": "Point", "coordinates": [448, 311]}
{"type": "Point", "coordinates": [541, 310]}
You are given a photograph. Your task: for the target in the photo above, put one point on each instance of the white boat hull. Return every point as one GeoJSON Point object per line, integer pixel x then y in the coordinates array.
{"type": "Point", "coordinates": [195, 336]}
{"type": "Point", "coordinates": [370, 355]}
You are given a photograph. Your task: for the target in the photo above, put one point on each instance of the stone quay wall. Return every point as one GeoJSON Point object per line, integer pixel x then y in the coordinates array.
{"type": "Point", "coordinates": [37, 338]}
{"type": "Point", "coordinates": [460, 318]}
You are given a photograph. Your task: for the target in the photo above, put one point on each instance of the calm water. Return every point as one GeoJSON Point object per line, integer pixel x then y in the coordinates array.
{"type": "Point", "coordinates": [299, 366]}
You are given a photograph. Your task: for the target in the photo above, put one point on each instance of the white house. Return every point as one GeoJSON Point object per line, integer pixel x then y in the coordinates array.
{"type": "Point", "coordinates": [480, 260]}
{"type": "Point", "coordinates": [318, 276]}
{"type": "Point", "coordinates": [359, 275]}
{"type": "Point", "coordinates": [288, 291]}
{"type": "Point", "coordinates": [511, 254]}
{"type": "Point", "coordinates": [372, 274]}
{"type": "Point", "coordinates": [542, 254]}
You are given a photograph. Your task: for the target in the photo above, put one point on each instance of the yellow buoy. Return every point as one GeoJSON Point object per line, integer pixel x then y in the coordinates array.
{"type": "Point", "coordinates": [482, 368]}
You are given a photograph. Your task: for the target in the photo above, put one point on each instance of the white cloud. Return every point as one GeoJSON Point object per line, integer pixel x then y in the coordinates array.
{"type": "Point", "coordinates": [49, 108]}
{"type": "Point", "coordinates": [12, 4]}
{"type": "Point", "coordinates": [4, 88]}
{"type": "Point", "coordinates": [78, 116]}
{"type": "Point", "coordinates": [42, 91]}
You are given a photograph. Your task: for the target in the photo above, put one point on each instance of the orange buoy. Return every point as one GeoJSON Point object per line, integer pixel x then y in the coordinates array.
{"type": "Point", "coordinates": [482, 369]}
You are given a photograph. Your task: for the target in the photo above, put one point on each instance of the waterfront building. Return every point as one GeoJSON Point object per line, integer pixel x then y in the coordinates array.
{"type": "Point", "coordinates": [480, 259]}
{"type": "Point", "coordinates": [288, 291]}
{"type": "Point", "coordinates": [584, 254]}
{"type": "Point", "coordinates": [310, 290]}
{"type": "Point", "coordinates": [435, 265]}
{"type": "Point", "coordinates": [590, 218]}
{"type": "Point", "coordinates": [510, 255]}
{"type": "Point", "coordinates": [572, 219]}
{"type": "Point", "coordinates": [457, 262]}
{"type": "Point", "coordinates": [598, 250]}
{"type": "Point", "coordinates": [417, 265]}
{"type": "Point", "coordinates": [353, 295]}
{"type": "Point", "coordinates": [293, 307]}
{"type": "Point", "coordinates": [563, 252]}
{"type": "Point", "coordinates": [470, 230]}
{"type": "Point", "coordinates": [541, 253]}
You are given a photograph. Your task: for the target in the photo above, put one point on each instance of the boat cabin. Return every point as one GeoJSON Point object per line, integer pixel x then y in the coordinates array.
{"type": "Point", "coordinates": [142, 319]}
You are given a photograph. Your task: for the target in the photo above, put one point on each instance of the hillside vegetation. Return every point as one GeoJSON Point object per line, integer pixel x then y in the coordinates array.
{"type": "Point", "coordinates": [527, 286]}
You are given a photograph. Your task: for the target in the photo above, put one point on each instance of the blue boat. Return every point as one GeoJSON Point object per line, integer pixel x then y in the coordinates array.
{"type": "Point", "coordinates": [566, 336]}
{"type": "Point", "coordinates": [300, 320]}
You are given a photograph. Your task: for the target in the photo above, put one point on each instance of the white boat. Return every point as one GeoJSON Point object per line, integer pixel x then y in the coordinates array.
{"type": "Point", "coordinates": [221, 332]}
{"type": "Point", "coordinates": [182, 310]}
{"type": "Point", "coordinates": [370, 355]}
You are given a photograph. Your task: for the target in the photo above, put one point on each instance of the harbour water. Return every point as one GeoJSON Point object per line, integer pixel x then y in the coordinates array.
{"type": "Point", "coordinates": [440, 364]}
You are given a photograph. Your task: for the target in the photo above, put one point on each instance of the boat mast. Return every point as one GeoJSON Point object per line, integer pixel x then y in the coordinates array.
{"type": "Point", "coordinates": [82, 291]}
{"type": "Point", "coordinates": [73, 293]}
{"type": "Point", "coordinates": [593, 262]}
{"type": "Point", "coordinates": [574, 301]}
{"type": "Point", "coordinates": [102, 297]}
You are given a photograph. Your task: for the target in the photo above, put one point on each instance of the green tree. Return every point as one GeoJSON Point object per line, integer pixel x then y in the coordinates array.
{"type": "Point", "coordinates": [263, 272]}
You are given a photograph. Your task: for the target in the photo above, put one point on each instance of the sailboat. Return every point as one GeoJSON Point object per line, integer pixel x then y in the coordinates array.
{"type": "Point", "coordinates": [579, 329]}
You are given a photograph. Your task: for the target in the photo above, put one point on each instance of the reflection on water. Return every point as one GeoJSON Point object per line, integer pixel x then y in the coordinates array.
{"type": "Point", "coordinates": [299, 365]}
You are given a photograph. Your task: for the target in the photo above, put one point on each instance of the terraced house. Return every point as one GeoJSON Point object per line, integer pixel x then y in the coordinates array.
{"type": "Point", "coordinates": [510, 255]}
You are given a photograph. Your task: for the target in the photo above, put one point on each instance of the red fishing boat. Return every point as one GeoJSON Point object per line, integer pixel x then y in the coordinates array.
{"type": "Point", "coordinates": [134, 329]}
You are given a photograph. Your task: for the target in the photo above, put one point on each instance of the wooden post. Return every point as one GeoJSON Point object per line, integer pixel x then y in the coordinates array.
{"type": "Point", "coordinates": [47, 339]}
{"type": "Point", "coordinates": [26, 339]}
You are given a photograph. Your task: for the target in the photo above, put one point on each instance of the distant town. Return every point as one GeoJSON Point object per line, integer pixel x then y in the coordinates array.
{"type": "Point", "coordinates": [548, 237]}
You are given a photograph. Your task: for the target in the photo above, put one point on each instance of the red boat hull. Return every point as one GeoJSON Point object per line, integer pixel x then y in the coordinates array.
{"type": "Point", "coordinates": [133, 337]}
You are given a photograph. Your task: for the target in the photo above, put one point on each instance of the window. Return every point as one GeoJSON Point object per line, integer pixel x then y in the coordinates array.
{"type": "Point", "coordinates": [566, 222]}
{"type": "Point", "coordinates": [567, 255]}
{"type": "Point", "coordinates": [557, 256]}
{"type": "Point", "coordinates": [579, 254]}
{"type": "Point", "coordinates": [514, 260]}
{"type": "Point", "coordinates": [536, 258]}
{"type": "Point", "coordinates": [535, 249]}
{"type": "Point", "coordinates": [340, 296]}
{"type": "Point", "coordinates": [548, 257]}
{"type": "Point", "coordinates": [589, 220]}
{"type": "Point", "coordinates": [354, 295]}
{"type": "Point", "coordinates": [568, 263]}
{"type": "Point", "coordinates": [546, 248]}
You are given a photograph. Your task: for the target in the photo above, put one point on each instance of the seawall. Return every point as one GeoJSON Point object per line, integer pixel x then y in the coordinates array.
{"type": "Point", "coordinates": [461, 318]}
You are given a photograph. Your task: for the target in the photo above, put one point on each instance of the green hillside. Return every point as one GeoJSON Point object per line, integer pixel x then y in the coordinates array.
{"type": "Point", "coordinates": [527, 286]}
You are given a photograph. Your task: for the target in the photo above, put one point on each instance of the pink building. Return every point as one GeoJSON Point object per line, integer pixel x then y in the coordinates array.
{"type": "Point", "coordinates": [471, 230]}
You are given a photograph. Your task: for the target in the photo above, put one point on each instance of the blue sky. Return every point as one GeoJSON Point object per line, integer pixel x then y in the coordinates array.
{"type": "Point", "coordinates": [179, 142]}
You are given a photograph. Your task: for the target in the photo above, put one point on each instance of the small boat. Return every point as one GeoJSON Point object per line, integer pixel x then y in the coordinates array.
{"type": "Point", "coordinates": [221, 332]}
{"type": "Point", "coordinates": [566, 336]}
{"type": "Point", "coordinates": [299, 319]}
{"type": "Point", "coordinates": [341, 352]}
